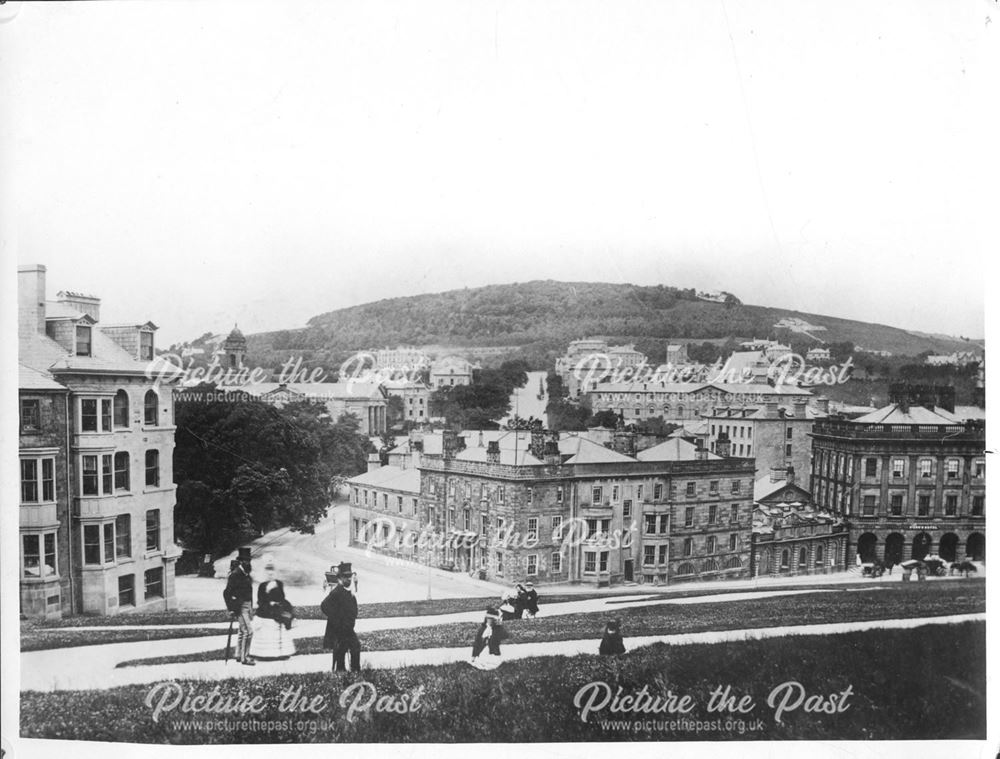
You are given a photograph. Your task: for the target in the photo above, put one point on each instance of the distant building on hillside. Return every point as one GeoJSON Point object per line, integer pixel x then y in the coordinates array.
{"type": "Point", "coordinates": [818, 354]}
{"type": "Point", "coordinates": [450, 371]}
{"type": "Point", "coordinates": [597, 355]}
{"type": "Point", "coordinates": [680, 402]}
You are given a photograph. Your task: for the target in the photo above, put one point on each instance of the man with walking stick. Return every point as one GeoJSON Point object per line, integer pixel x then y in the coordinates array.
{"type": "Point", "coordinates": [239, 600]}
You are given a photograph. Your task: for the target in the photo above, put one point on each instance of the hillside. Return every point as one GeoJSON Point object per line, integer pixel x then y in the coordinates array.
{"type": "Point", "coordinates": [543, 316]}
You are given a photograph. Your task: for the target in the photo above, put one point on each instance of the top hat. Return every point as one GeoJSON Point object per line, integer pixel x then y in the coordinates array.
{"type": "Point", "coordinates": [344, 569]}
{"type": "Point", "coordinates": [243, 553]}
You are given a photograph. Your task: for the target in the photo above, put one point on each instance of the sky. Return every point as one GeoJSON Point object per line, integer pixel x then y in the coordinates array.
{"type": "Point", "coordinates": [200, 164]}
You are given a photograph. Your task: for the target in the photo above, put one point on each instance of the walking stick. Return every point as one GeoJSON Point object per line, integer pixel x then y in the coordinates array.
{"type": "Point", "coordinates": [229, 638]}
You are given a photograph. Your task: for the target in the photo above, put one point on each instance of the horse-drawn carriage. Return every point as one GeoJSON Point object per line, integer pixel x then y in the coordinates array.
{"type": "Point", "coordinates": [873, 569]}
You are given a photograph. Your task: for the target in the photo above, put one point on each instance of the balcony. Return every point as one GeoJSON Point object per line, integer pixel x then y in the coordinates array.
{"type": "Point", "coordinates": [38, 515]}
{"type": "Point", "coordinates": [99, 507]}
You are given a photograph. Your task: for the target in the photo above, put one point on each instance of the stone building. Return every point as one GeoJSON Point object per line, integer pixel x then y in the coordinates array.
{"type": "Point", "coordinates": [910, 479]}
{"type": "Point", "coordinates": [96, 441]}
{"type": "Point", "coordinates": [385, 513]}
{"type": "Point", "coordinates": [790, 535]}
{"type": "Point", "coordinates": [536, 506]}
{"type": "Point", "coordinates": [366, 401]}
{"type": "Point", "coordinates": [775, 434]}
{"type": "Point", "coordinates": [680, 402]}
{"type": "Point", "coordinates": [450, 371]}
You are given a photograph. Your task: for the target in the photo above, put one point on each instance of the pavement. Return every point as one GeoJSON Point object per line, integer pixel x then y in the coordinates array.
{"type": "Point", "coordinates": [100, 672]}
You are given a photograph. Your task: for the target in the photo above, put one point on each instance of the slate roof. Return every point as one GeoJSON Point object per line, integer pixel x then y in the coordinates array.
{"type": "Point", "coordinates": [589, 452]}
{"type": "Point", "coordinates": [674, 449]}
{"type": "Point", "coordinates": [894, 414]}
{"type": "Point", "coordinates": [390, 478]}
{"type": "Point", "coordinates": [32, 379]}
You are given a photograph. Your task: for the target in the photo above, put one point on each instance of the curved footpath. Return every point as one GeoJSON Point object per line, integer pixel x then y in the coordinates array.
{"type": "Point", "coordinates": [94, 667]}
{"type": "Point", "coordinates": [84, 667]}
{"type": "Point", "coordinates": [214, 670]}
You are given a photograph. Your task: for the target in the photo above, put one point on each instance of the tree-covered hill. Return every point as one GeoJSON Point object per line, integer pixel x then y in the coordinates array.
{"type": "Point", "coordinates": [540, 318]}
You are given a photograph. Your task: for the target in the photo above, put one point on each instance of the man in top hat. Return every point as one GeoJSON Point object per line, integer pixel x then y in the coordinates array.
{"type": "Point", "coordinates": [239, 600]}
{"type": "Point", "coordinates": [341, 610]}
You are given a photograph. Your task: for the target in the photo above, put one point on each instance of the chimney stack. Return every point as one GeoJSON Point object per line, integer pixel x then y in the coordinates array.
{"type": "Point", "coordinates": [624, 442]}
{"type": "Point", "coordinates": [771, 408]}
{"type": "Point", "coordinates": [779, 474]}
{"type": "Point", "coordinates": [85, 304]}
{"type": "Point", "coordinates": [537, 446]}
{"type": "Point", "coordinates": [374, 461]}
{"type": "Point", "coordinates": [31, 300]}
{"type": "Point", "coordinates": [552, 455]}
{"type": "Point", "coordinates": [700, 454]}
{"type": "Point", "coordinates": [723, 445]}
{"type": "Point", "coordinates": [823, 404]}
{"type": "Point", "coordinates": [493, 452]}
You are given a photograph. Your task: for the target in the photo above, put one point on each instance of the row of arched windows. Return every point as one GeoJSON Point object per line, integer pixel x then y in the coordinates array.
{"type": "Point", "coordinates": [151, 409]}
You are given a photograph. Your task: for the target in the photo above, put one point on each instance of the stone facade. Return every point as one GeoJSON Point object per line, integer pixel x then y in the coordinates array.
{"type": "Point", "coordinates": [907, 489]}
{"type": "Point", "coordinates": [96, 459]}
{"type": "Point", "coordinates": [596, 523]}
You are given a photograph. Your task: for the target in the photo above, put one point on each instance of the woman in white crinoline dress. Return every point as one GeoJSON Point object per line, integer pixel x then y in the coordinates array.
{"type": "Point", "coordinates": [272, 638]}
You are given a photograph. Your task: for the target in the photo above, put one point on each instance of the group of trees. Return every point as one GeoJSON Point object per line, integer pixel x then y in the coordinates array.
{"type": "Point", "coordinates": [483, 403]}
{"type": "Point", "coordinates": [247, 467]}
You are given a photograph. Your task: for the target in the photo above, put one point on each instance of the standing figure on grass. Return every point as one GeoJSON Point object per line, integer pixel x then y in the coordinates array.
{"type": "Point", "coordinates": [611, 642]}
{"type": "Point", "coordinates": [341, 610]}
{"type": "Point", "coordinates": [530, 600]}
{"type": "Point", "coordinates": [486, 646]}
{"type": "Point", "coordinates": [272, 637]}
{"type": "Point", "coordinates": [238, 596]}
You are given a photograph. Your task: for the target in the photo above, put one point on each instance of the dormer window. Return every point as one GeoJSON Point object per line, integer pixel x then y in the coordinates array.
{"type": "Point", "coordinates": [83, 341]}
{"type": "Point", "coordinates": [145, 346]}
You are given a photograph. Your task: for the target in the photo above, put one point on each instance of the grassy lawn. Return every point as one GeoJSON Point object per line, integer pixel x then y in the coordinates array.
{"type": "Point", "coordinates": [412, 608]}
{"type": "Point", "coordinates": [43, 640]}
{"type": "Point", "coordinates": [901, 600]}
{"type": "Point", "coordinates": [904, 684]}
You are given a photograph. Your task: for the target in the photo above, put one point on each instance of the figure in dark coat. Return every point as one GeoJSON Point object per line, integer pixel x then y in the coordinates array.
{"type": "Point", "coordinates": [612, 642]}
{"type": "Point", "coordinates": [341, 610]}
{"type": "Point", "coordinates": [530, 600]}
{"type": "Point", "coordinates": [488, 638]}
{"type": "Point", "coordinates": [238, 596]}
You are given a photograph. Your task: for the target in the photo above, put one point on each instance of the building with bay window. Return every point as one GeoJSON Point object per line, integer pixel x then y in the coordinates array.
{"type": "Point", "coordinates": [96, 441]}
{"type": "Point", "coordinates": [909, 478]}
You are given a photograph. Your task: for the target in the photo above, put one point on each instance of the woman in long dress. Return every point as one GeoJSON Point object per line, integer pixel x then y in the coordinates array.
{"type": "Point", "coordinates": [273, 638]}
{"type": "Point", "coordinates": [486, 646]}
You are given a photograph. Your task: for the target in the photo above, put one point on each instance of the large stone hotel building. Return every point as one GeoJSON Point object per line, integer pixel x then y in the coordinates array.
{"type": "Point", "coordinates": [550, 508]}
{"type": "Point", "coordinates": [910, 480]}
{"type": "Point", "coordinates": [96, 442]}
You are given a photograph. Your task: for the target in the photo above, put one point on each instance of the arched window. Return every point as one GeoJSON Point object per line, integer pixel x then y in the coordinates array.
{"type": "Point", "coordinates": [151, 406]}
{"type": "Point", "coordinates": [734, 563]}
{"type": "Point", "coordinates": [802, 557]}
{"type": "Point", "coordinates": [687, 568]}
{"type": "Point", "coordinates": [121, 409]}
{"type": "Point", "coordinates": [819, 555]}
{"type": "Point", "coordinates": [784, 559]}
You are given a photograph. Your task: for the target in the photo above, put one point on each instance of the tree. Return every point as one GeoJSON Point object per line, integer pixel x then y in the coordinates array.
{"type": "Point", "coordinates": [247, 467]}
{"type": "Point", "coordinates": [606, 418]}
{"type": "Point", "coordinates": [395, 411]}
